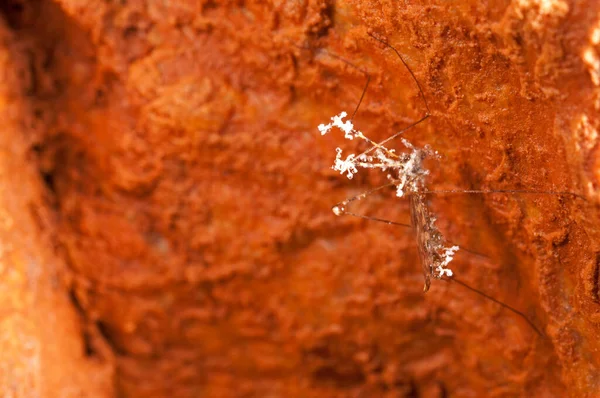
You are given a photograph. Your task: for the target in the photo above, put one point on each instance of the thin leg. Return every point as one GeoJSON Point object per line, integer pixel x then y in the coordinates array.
{"type": "Point", "coordinates": [500, 303]}
{"type": "Point", "coordinates": [366, 86]}
{"type": "Point", "coordinates": [510, 191]}
{"type": "Point", "coordinates": [467, 250]}
{"type": "Point", "coordinates": [491, 191]}
{"type": "Point", "coordinates": [364, 72]}
{"type": "Point", "coordinates": [390, 138]}
{"type": "Point", "coordinates": [421, 93]}
{"type": "Point", "coordinates": [340, 208]}
{"type": "Point", "coordinates": [406, 66]}
{"type": "Point", "coordinates": [362, 96]}
{"type": "Point", "coordinates": [350, 64]}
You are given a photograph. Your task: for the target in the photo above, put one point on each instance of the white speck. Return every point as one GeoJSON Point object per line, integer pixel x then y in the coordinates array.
{"type": "Point", "coordinates": [324, 128]}
{"type": "Point", "coordinates": [448, 256]}
{"type": "Point", "coordinates": [347, 166]}
{"type": "Point", "coordinates": [338, 121]}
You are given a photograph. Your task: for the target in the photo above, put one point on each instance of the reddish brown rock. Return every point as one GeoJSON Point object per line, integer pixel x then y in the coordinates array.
{"type": "Point", "coordinates": [183, 194]}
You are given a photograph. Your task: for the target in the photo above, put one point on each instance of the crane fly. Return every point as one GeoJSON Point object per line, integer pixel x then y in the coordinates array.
{"type": "Point", "coordinates": [406, 172]}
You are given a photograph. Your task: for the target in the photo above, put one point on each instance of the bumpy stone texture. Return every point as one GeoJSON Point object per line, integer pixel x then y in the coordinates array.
{"type": "Point", "coordinates": [189, 195]}
{"type": "Point", "coordinates": [45, 350]}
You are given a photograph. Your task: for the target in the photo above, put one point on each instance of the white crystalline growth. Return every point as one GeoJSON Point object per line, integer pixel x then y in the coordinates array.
{"type": "Point", "coordinates": [437, 244]}
{"type": "Point", "coordinates": [347, 166]}
{"type": "Point", "coordinates": [447, 257]}
{"type": "Point", "coordinates": [407, 169]}
{"type": "Point", "coordinates": [337, 121]}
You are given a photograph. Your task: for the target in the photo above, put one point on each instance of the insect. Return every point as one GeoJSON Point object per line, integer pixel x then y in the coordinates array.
{"type": "Point", "coordinates": [406, 172]}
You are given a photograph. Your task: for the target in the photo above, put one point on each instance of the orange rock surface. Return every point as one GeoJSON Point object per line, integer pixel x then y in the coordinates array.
{"type": "Point", "coordinates": [165, 217]}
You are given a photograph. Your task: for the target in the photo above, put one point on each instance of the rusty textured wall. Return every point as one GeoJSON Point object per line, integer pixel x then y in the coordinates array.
{"type": "Point", "coordinates": [42, 338]}
{"type": "Point", "coordinates": [168, 229]}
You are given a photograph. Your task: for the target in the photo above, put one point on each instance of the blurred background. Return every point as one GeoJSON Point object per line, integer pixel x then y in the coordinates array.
{"type": "Point", "coordinates": [165, 216]}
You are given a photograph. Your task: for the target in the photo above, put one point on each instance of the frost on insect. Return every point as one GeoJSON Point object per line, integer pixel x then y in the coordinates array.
{"type": "Point", "coordinates": [405, 170]}
{"type": "Point", "coordinates": [434, 253]}
{"type": "Point", "coordinates": [407, 173]}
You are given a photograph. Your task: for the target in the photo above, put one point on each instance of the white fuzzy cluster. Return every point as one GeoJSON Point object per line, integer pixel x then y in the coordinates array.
{"type": "Point", "coordinates": [338, 121]}
{"type": "Point", "coordinates": [443, 254]}
{"type": "Point", "coordinates": [405, 170]}
{"type": "Point", "coordinates": [447, 256]}
{"type": "Point", "coordinates": [407, 167]}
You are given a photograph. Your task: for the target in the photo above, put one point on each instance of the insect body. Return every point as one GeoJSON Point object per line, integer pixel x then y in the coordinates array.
{"type": "Point", "coordinates": [434, 253]}
{"type": "Point", "coordinates": [406, 172]}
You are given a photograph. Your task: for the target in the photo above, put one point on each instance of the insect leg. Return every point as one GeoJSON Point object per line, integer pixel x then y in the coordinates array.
{"type": "Point", "coordinates": [364, 72]}
{"type": "Point", "coordinates": [491, 191]}
{"type": "Point", "coordinates": [339, 208]}
{"type": "Point", "coordinates": [500, 303]}
{"type": "Point", "coordinates": [421, 93]}
{"type": "Point", "coordinates": [355, 67]}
